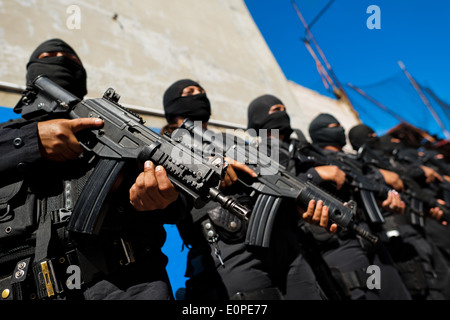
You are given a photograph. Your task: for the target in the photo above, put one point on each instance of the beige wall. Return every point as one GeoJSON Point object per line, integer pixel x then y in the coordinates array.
{"type": "Point", "coordinates": [151, 44]}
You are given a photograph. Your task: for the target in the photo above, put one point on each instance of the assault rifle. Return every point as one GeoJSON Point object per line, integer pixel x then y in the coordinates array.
{"type": "Point", "coordinates": [366, 189]}
{"type": "Point", "coordinates": [124, 137]}
{"type": "Point", "coordinates": [272, 185]}
{"type": "Point", "coordinates": [416, 198]}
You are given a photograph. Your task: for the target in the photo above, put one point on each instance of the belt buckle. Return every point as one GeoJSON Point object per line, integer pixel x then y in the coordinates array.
{"type": "Point", "coordinates": [61, 216]}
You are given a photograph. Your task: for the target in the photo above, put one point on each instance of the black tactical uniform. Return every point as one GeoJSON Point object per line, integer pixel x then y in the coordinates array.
{"type": "Point", "coordinates": [278, 125]}
{"type": "Point", "coordinates": [351, 254]}
{"type": "Point", "coordinates": [220, 264]}
{"type": "Point", "coordinates": [39, 258]}
{"type": "Point", "coordinates": [418, 259]}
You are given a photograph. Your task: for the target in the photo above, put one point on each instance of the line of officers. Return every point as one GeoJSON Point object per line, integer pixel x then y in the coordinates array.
{"type": "Point", "coordinates": [44, 170]}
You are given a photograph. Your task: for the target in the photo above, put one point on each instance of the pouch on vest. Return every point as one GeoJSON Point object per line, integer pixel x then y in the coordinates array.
{"type": "Point", "coordinates": [17, 210]}
{"type": "Point", "coordinates": [229, 227]}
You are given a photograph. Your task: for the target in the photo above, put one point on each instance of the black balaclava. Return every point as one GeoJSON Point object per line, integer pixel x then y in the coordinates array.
{"type": "Point", "coordinates": [388, 146]}
{"type": "Point", "coordinates": [195, 107]}
{"type": "Point", "coordinates": [259, 117]}
{"type": "Point", "coordinates": [323, 135]}
{"type": "Point", "coordinates": [362, 134]}
{"type": "Point", "coordinates": [62, 70]}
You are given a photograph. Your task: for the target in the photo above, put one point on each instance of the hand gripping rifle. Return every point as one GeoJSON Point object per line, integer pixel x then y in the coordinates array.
{"type": "Point", "coordinates": [123, 137]}
{"type": "Point", "coordinates": [416, 198]}
{"type": "Point", "coordinates": [272, 188]}
{"type": "Point", "coordinates": [368, 190]}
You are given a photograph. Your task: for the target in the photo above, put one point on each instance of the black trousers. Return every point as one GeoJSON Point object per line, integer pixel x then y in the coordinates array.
{"type": "Point", "coordinates": [249, 269]}
{"type": "Point", "coordinates": [350, 256]}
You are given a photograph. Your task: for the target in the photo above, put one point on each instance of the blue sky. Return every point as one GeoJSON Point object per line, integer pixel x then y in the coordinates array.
{"type": "Point", "coordinates": [413, 31]}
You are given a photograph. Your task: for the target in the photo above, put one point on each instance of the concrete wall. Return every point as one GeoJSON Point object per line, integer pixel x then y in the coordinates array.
{"type": "Point", "coordinates": [312, 104]}
{"type": "Point", "coordinates": [141, 47]}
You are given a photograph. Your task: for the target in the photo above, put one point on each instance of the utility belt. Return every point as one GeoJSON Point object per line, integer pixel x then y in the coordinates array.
{"type": "Point", "coordinates": [37, 254]}
{"type": "Point", "coordinates": [34, 281]}
{"type": "Point", "coordinates": [65, 276]}
{"type": "Point", "coordinates": [44, 272]}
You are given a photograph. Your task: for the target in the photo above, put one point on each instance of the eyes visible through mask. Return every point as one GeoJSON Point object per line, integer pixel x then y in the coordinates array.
{"type": "Point", "coordinates": [334, 125]}
{"type": "Point", "coordinates": [276, 108]}
{"type": "Point", "coordinates": [191, 91]}
{"type": "Point", "coordinates": [73, 57]}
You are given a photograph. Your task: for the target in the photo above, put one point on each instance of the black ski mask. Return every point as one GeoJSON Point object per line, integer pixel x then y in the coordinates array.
{"type": "Point", "coordinates": [362, 134]}
{"type": "Point", "coordinates": [322, 135]}
{"type": "Point", "coordinates": [62, 70]}
{"type": "Point", "coordinates": [387, 145]}
{"type": "Point", "coordinates": [259, 117]}
{"type": "Point", "coordinates": [195, 107]}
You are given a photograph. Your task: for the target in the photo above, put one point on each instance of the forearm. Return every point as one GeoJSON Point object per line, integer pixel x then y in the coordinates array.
{"type": "Point", "coordinates": [19, 146]}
